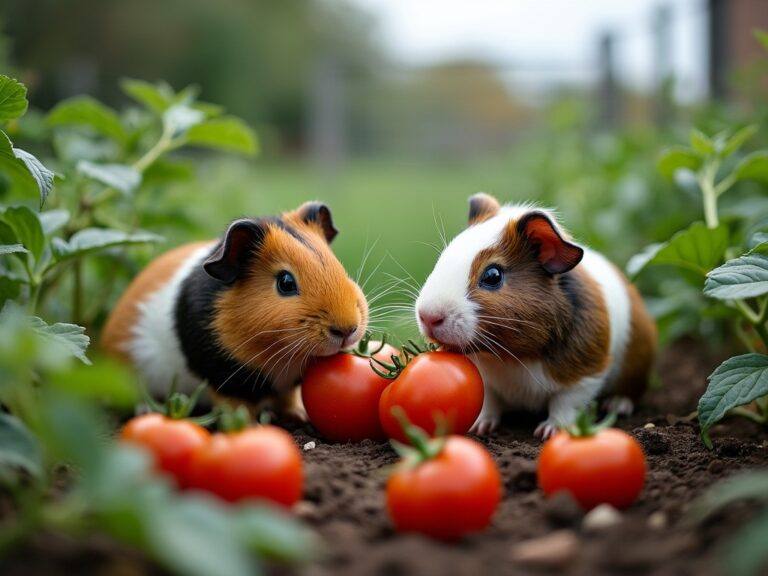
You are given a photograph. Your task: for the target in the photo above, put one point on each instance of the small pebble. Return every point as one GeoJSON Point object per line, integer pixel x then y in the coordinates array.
{"type": "Point", "coordinates": [310, 445]}
{"type": "Point", "coordinates": [562, 510]}
{"type": "Point", "coordinates": [658, 520]}
{"type": "Point", "coordinates": [555, 550]}
{"type": "Point", "coordinates": [601, 518]}
{"type": "Point", "coordinates": [305, 509]}
{"type": "Point", "coordinates": [649, 426]}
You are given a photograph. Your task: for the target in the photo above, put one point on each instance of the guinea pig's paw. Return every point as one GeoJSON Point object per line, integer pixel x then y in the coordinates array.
{"type": "Point", "coordinates": [546, 429]}
{"type": "Point", "coordinates": [620, 405]}
{"type": "Point", "coordinates": [296, 413]}
{"type": "Point", "coordinates": [486, 423]}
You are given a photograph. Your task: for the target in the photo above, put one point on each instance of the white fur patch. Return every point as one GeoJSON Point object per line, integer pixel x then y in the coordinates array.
{"type": "Point", "coordinates": [616, 301]}
{"type": "Point", "coordinates": [154, 348]}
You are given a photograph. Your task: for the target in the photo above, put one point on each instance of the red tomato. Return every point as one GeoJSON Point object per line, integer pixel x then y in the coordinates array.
{"type": "Point", "coordinates": [260, 462]}
{"type": "Point", "coordinates": [448, 496]}
{"type": "Point", "coordinates": [433, 384]}
{"type": "Point", "coordinates": [170, 442]}
{"type": "Point", "coordinates": [606, 468]}
{"type": "Point", "coordinates": [341, 395]}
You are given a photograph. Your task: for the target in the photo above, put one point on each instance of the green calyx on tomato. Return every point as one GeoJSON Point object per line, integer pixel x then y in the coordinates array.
{"type": "Point", "coordinates": [179, 406]}
{"type": "Point", "coordinates": [363, 349]}
{"type": "Point", "coordinates": [409, 352]}
{"type": "Point", "coordinates": [586, 423]}
{"type": "Point", "coordinates": [237, 419]}
{"type": "Point", "coordinates": [422, 447]}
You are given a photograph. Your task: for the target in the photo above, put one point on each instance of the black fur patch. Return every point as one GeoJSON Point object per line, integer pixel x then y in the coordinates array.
{"type": "Point", "coordinates": [205, 358]}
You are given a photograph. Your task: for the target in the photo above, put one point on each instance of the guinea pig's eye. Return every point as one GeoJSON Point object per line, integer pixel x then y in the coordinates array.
{"type": "Point", "coordinates": [492, 278]}
{"type": "Point", "coordinates": [286, 284]}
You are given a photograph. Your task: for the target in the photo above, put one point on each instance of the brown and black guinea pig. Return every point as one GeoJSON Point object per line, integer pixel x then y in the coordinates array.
{"type": "Point", "coordinates": [244, 313]}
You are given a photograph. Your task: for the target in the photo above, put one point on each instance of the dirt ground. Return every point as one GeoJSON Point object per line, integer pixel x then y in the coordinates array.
{"type": "Point", "coordinates": [344, 501]}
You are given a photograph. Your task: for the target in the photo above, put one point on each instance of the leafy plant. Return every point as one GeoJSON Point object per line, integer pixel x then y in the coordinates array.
{"type": "Point", "coordinates": [114, 491]}
{"type": "Point", "coordinates": [737, 275]}
{"type": "Point", "coordinates": [744, 553]}
{"type": "Point", "coordinates": [53, 397]}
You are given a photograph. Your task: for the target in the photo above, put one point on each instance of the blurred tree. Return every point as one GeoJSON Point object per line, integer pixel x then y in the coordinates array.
{"type": "Point", "coordinates": [255, 57]}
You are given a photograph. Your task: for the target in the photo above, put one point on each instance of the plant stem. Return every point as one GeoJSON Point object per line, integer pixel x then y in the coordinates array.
{"type": "Point", "coordinates": [77, 292]}
{"type": "Point", "coordinates": [749, 414]}
{"type": "Point", "coordinates": [707, 184]}
{"type": "Point", "coordinates": [164, 143]}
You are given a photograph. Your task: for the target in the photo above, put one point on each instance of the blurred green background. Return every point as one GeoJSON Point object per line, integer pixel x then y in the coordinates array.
{"type": "Point", "coordinates": [395, 132]}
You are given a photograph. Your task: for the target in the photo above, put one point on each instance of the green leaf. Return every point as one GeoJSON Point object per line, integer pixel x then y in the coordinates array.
{"type": "Point", "coordinates": [118, 176]}
{"type": "Point", "coordinates": [43, 177]}
{"type": "Point", "coordinates": [69, 337]}
{"type": "Point", "coordinates": [736, 382]}
{"type": "Point", "coordinates": [106, 381]}
{"type": "Point", "coordinates": [735, 142]}
{"type": "Point", "coordinates": [13, 98]}
{"type": "Point", "coordinates": [701, 143]}
{"type": "Point", "coordinates": [53, 220]}
{"type": "Point", "coordinates": [743, 277]}
{"type": "Point", "coordinates": [180, 117]}
{"type": "Point", "coordinates": [194, 537]}
{"type": "Point", "coordinates": [18, 447]}
{"type": "Point", "coordinates": [154, 98]}
{"type": "Point", "coordinates": [677, 158]}
{"type": "Point", "coordinates": [745, 552]}
{"type": "Point", "coordinates": [753, 167]}
{"type": "Point", "coordinates": [274, 534]}
{"type": "Point", "coordinates": [95, 239]}
{"type": "Point", "coordinates": [86, 111]}
{"type": "Point", "coordinates": [762, 37]}
{"type": "Point", "coordinates": [163, 171]}
{"type": "Point", "coordinates": [25, 171]}
{"type": "Point", "coordinates": [27, 229]}
{"type": "Point", "coordinates": [228, 133]}
{"type": "Point", "coordinates": [10, 288]}
{"type": "Point", "coordinates": [697, 248]}
{"type": "Point", "coordinates": [752, 485]}
{"type": "Point", "coordinates": [12, 249]}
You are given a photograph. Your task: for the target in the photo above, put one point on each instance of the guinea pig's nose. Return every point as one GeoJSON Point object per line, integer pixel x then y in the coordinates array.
{"type": "Point", "coordinates": [342, 333]}
{"type": "Point", "coordinates": [431, 319]}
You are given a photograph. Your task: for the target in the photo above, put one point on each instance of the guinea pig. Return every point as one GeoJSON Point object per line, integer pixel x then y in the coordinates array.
{"type": "Point", "coordinates": [244, 313]}
{"type": "Point", "coordinates": [548, 323]}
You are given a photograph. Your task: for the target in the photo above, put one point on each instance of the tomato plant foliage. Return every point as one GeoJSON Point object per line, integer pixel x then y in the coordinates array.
{"type": "Point", "coordinates": [64, 218]}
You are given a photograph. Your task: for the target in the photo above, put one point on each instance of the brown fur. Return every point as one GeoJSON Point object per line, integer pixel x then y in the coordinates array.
{"type": "Point", "coordinates": [532, 317]}
{"type": "Point", "coordinates": [288, 328]}
{"type": "Point", "coordinates": [117, 330]}
{"type": "Point", "coordinates": [641, 349]}
{"type": "Point", "coordinates": [481, 207]}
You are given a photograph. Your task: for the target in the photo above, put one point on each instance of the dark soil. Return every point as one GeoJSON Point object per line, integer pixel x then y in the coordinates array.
{"type": "Point", "coordinates": [344, 501]}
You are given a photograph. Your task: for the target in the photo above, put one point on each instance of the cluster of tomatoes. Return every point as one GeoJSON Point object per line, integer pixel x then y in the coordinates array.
{"type": "Point", "coordinates": [445, 486]}
{"type": "Point", "coordinates": [260, 462]}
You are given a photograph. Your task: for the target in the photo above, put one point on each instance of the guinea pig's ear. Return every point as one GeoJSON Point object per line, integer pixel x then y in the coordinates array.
{"type": "Point", "coordinates": [229, 259]}
{"type": "Point", "coordinates": [481, 207]}
{"type": "Point", "coordinates": [318, 213]}
{"type": "Point", "coordinates": [554, 253]}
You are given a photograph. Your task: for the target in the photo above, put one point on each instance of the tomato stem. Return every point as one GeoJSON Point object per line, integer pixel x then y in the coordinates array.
{"type": "Point", "coordinates": [363, 346]}
{"type": "Point", "coordinates": [409, 352]}
{"type": "Point", "coordinates": [422, 447]}
{"type": "Point", "coordinates": [586, 424]}
{"type": "Point", "coordinates": [234, 419]}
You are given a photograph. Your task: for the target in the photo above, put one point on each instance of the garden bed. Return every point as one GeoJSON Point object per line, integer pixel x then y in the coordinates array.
{"type": "Point", "coordinates": [344, 501]}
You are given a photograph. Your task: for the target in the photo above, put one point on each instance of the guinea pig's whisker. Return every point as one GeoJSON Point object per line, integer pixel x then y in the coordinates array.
{"type": "Point", "coordinates": [251, 338]}
{"type": "Point", "coordinates": [508, 351]}
{"type": "Point", "coordinates": [434, 247]}
{"type": "Point", "coordinates": [440, 228]}
{"type": "Point", "coordinates": [251, 359]}
{"type": "Point", "coordinates": [371, 274]}
{"type": "Point", "coordinates": [508, 320]}
{"type": "Point", "coordinates": [367, 251]}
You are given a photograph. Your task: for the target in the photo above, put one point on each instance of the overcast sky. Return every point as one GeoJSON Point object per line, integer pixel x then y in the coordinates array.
{"type": "Point", "coordinates": [538, 41]}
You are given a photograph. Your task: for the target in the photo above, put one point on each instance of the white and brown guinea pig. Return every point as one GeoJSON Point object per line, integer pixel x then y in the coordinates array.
{"type": "Point", "coordinates": [244, 313]}
{"type": "Point", "coordinates": [548, 324]}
